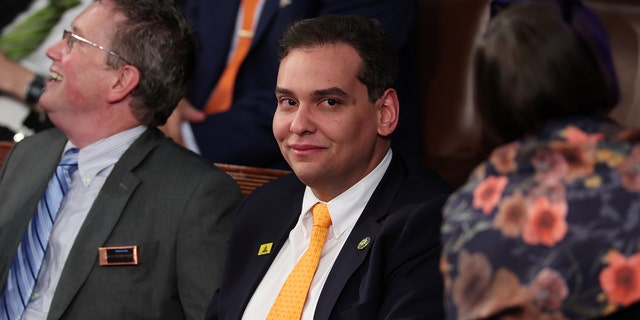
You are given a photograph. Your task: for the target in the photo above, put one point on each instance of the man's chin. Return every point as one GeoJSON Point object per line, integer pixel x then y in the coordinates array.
{"type": "Point", "coordinates": [307, 172]}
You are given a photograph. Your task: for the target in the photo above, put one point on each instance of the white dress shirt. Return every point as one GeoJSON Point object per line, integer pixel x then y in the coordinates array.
{"type": "Point", "coordinates": [344, 210]}
{"type": "Point", "coordinates": [95, 162]}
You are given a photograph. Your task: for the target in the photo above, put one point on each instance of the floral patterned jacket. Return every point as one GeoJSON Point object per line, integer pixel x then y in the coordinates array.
{"type": "Point", "coordinates": [549, 225]}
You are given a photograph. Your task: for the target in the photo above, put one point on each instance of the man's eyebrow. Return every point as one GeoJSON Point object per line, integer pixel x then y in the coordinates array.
{"type": "Point", "coordinates": [283, 91]}
{"type": "Point", "coordinates": [333, 91]}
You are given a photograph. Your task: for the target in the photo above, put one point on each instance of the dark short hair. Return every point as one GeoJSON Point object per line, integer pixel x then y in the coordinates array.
{"type": "Point", "coordinates": [379, 69]}
{"type": "Point", "coordinates": [540, 60]}
{"type": "Point", "coordinates": [157, 39]}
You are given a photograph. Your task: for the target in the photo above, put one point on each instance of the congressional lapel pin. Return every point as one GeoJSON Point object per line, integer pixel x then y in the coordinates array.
{"type": "Point", "coordinates": [265, 248]}
{"type": "Point", "coordinates": [119, 256]}
{"type": "Point", "coordinates": [364, 243]}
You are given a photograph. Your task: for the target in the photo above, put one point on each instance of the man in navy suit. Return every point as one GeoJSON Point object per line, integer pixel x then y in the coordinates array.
{"type": "Point", "coordinates": [242, 134]}
{"type": "Point", "coordinates": [337, 109]}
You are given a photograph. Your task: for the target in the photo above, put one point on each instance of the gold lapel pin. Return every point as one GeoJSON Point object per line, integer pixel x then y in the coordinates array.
{"type": "Point", "coordinates": [265, 248]}
{"type": "Point", "coordinates": [364, 243]}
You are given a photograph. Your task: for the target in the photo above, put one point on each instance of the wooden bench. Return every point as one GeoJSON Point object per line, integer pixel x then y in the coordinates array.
{"type": "Point", "coordinates": [248, 178]}
{"type": "Point", "coordinates": [5, 146]}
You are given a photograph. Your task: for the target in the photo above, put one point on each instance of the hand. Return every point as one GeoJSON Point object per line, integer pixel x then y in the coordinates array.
{"type": "Point", "coordinates": [14, 78]}
{"type": "Point", "coordinates": [183, 112]}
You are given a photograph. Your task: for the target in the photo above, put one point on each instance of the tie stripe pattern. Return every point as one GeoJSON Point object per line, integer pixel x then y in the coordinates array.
{"type": "Point", "coordinates": [222, 96]}
{"type": "Point", "coordinates": [31, 250]}
{"type": "Point", "coordinates": [292, 296]}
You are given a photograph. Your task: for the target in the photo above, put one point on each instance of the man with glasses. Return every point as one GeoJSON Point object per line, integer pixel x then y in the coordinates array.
{"type": "Point", "coordinates": [128, 225]}
{"type": "Point", "coordinates": [72, 38]}
{"type": "Point", "coordinates": [28, 29]}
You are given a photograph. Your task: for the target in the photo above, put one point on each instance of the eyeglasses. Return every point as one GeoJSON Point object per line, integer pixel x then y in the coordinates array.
{"type": "Point", "coordinates": [72, 38]}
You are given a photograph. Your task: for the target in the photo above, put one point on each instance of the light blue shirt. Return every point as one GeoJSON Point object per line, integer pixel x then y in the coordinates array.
{"type": "Point", "coordinates": [95, 162]}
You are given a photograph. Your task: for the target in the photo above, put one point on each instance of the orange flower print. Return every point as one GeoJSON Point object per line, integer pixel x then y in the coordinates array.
{"type": "Point", "coordinates": [487, 194]}
{"type": "Point", "coordinates": [620, 281]}
{"type": "Point", "coordinates": [580, 157]}
{"type": "Point", "coordinates": [630, 171]}
{"type": "Point", "coordinates": [511, 216]}
{"type": "Point", "coordinates": [505, 293]}
{"type": "Point", "coordinates": [546, 223]}
{"type": "Point", "coordinates": [575, 135]}
{"type": "Point", "coordinates": [549, 289]}
{"type": "Point", "coordinates": [473, 281]}
{"type": "Point", "coordinates": [503, 158]}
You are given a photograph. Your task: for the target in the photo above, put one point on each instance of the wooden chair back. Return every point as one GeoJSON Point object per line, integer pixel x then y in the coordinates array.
{"type": "Point", "coordinates": [249, 178]}
{"type": "Point", "coordinates": [5, 146]}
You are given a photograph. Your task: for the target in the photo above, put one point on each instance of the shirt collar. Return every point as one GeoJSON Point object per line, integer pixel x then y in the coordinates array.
{"type": "Point", "coordinates": [104, 153]}
{"type": "Point", "coordinates": [346, 208]}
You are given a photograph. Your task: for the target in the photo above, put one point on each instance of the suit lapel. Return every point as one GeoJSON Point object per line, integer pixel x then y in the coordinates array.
{"type": "Point", "coordinates": [285, 208]}
{"type": "Point", "coordinates": [368, 225]}
{"type": "Point", "coordinates": [101, 220]}
{"type": "Point", "coordinates": [28, 188]}
{"type": "Point", "coordinates": [269, 12]}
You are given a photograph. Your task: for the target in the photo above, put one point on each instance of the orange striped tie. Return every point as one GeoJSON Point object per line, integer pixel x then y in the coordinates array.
{"type": "Point", "coordinates": [292, 296]}
{"type": "Point", "coordinates": [222, 96]}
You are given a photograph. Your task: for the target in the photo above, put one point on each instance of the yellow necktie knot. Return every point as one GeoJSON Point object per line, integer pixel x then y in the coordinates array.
{"type": "Point", "coordinates": [321, 215]}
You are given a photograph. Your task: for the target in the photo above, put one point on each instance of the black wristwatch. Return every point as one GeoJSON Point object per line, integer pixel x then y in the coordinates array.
{"type": "Point", "coordinates": [35, 89]}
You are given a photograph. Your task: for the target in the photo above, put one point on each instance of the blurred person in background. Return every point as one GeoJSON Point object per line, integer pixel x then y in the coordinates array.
{"type": "Point", "coordinates": [548, 227]}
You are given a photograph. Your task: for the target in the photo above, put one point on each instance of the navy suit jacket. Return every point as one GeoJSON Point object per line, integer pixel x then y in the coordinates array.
{"type": "Point", "coordinates": [396, 276]}
{"type": "Point", "coordinates": [243, 134]}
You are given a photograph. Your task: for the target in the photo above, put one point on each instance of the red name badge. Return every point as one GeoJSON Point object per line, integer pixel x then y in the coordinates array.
{"type": "Point", "coordinates": [119, 256]}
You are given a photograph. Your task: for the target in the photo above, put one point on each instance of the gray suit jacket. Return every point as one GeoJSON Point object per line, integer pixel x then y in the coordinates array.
{"type": "Point", "coordinates": [173, 204]}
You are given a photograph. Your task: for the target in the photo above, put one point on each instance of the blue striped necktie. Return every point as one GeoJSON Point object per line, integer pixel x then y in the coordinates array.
{"type": "Point", "coordinates": [26, 263]}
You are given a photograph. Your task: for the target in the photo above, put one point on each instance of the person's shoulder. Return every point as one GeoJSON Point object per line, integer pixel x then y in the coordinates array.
{"type": "Point", "coordinates": [421, 180]}
{"type": "Point", "coordinates": [40, 141]}
{"type": "Point", "coordinates": [281, 188]}
{"type": "Point", "coordinates": [180, 161]}
{"type": "Point", "coordinates": [279, 198]}
{"type": "Point", "coordinates": [419, 193]}
{"type": "Point", "coordinates": [180, 155]}
{"type": "Point", "coordinates": [45, 136]}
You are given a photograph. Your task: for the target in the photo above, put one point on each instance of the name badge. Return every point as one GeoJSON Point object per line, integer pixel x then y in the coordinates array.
{"type": "Point", "coordinates": [118, 256]}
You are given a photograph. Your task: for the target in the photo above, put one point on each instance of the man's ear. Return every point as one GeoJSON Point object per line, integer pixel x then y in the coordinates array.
{"type": "Point", "coordinates": [127, 80]}
{"type": "Point", "coordinates": [388, 112]}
